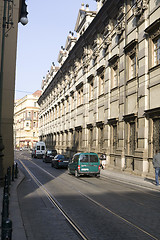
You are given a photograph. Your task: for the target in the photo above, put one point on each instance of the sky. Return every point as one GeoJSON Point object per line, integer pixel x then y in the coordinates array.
{"type": "Point", "coordinates": [40, 41]}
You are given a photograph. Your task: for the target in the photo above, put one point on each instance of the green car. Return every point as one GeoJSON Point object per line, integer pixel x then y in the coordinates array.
{"type": "Point", "coordinates": [84, 164]}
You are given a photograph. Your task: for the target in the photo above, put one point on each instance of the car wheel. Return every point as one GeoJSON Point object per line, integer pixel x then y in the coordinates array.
{"type": "Point", "coordinates": [97, 175]}
{"type": "Point", "coordinates": [76, 174]}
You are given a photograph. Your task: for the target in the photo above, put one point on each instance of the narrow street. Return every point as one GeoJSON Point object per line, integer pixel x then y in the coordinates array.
{"type": "Point", "coordinates": [56, 205]}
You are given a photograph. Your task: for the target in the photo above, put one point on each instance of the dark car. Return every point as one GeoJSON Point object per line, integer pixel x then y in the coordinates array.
{"type": "Point", "coordinates": [49, 155]}
{"type": "Point", "coordinates": [60, 161]}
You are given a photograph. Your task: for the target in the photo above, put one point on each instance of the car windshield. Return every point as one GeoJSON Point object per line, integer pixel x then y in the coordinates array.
{"type": "Point", "coordinates": [84, 158]}
{"type": "Point", "coordinates": [49, 152]}
{"type": "Point", "coordinates": [60, 156]}
{"type": "Point", "coordinates": [93, 158]}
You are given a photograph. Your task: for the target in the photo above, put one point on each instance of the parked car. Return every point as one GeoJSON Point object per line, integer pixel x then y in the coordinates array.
{"type": "Point", "coordinates": [60, 161]}
{"type": "Point", "coordinates": [84, 164]}
{"type": "Point", "coordinates": [49, 155]}
{"type": "Point", "coordinates": [39, 150]}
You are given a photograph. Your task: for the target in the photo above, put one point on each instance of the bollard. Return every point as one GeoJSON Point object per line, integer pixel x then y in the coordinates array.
{"type": "Point", "coordinates": [9, 175]}
{"type": "Point", "coordinates": [5, 190]}
{"type": "Point", "coordinates": [7, 230]}
{"type": "Point", "coordinates": [16, 171]}
{"type": "Point", "coordinates": [6, 180]}
{"type": "Point", "coordinates": [13, 172]}
{"type": "Point", "coordinates": [6, 185]}
{"type": "Point", "coordinates": [5, 208]}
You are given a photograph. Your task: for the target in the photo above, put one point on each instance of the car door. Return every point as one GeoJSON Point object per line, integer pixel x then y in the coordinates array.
{"type": "Point", "coordinates": [73, 164]}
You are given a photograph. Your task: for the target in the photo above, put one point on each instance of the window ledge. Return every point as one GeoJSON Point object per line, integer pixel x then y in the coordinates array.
{"type": "Point", "coordinates": [80, 105]}
{"type": "Point", "coordinates": [154, 68]}
{"type": "Point", "coordinates": [131, 80]}
{"type": "Point", "coordinates": [101, 95]}
{"type": "Point", "coordinates": [114, 88]}
{"type": "Point", "coordinates": [91, 100]}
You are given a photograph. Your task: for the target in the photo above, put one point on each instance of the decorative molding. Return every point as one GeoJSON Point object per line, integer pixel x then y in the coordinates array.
{"type": "Point", "coordinates": [131, 47]}
{"type": "Point", "coordinates": [120, 27]}
{"type": "Point", "coordinates": [107, 42]}
{"type": "Point", "coordinates": [129, 117]}
{"type": "Point", "coordinates": [113, 59]}
{"type": "Point", "coordinates": [112, 121]}
{"type": "Point", "coordinates": [152, 113]}
{"type": "Point", "coordinates": [139, 9]}
{"type": "Point", "coordinates": [154, 29]}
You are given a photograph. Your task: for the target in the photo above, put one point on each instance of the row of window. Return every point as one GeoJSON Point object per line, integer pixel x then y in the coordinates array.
{"type": "Point", "coordinates": [132, 72]}
{"type": "Point", "coordinates": [76, 138]}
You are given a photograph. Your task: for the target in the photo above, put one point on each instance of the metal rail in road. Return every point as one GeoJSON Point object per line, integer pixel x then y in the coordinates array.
{"type": "Point", "coordinates": [59, 207]}
{"type": "Point", "coordinates": [55, 203]}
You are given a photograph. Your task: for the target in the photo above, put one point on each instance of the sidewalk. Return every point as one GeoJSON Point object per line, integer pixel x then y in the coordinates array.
{"type": "Point", "coordinates": [14, 210]}
{"type": "Point", "coordinates": [18, 232]}
{"type": "Point", "coordinates": [130, 179]}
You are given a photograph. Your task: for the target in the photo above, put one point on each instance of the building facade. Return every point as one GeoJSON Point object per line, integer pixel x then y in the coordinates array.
{"type": "Point", "coordinates": [10, 14]}
{"type": "Point", "coordinates": [26, 115]}
{"type": "Point", "coordinates": [104, 97]}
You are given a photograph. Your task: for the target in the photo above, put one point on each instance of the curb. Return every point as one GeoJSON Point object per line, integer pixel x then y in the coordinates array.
{"type": "Point", "coordinates": [18, 231]}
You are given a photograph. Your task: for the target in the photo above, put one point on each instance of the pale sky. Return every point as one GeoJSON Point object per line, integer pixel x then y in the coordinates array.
{"type": "Point", "coordinates": [40, 41]}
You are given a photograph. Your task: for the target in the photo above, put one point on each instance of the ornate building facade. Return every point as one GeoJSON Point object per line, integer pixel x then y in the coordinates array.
{"type": "Point", "coordinates": [104, 97]}
{"type": "Point", "coordinates": [26, 116]}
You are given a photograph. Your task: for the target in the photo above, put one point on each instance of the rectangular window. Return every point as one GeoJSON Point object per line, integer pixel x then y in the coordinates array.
{"type": "Point", "coordinates": [115, 76]}
{"type": "Point", "coordinates": [80, 97]}
{"type": "Point", "coordinates": [67, 105]}
{"type": "Point", "coordinates": [62, 139]}
{"type": "Point", "coordinates": [132, 67]}
{"type": "Point", "coordinates": [91, 90]}
{"type": "Point", "coordinates": [132, 142]}
{"type": "Point", "coordinates": [78, 138]}
{"type": "Point", "coordinates": [101, 83]}
{"type": "Point", "coordinates": [59, 110]}
{"type": "Point", "coordinates": [72, 102]}
{"type": "Point", "coordinates": [156, 51]}
{"type": "Point", "coordinates": [101, 138]}
{"type": "Point", "coordinates": [154, 43]}
{"type": "Point", "coordinates": [114, 139]}
{"type": "Point", "coordinates": [156, 135]}
{"type": "Point", "coordinates": [91, 137]}
{"type": "Point", "coordinates": [62, 108]}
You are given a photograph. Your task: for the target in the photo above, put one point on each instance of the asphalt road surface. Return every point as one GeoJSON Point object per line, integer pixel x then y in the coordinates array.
{"type": "Point", "coordinates": [56, 205]}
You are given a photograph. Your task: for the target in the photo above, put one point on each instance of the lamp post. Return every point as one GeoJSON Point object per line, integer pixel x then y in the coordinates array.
{"type": "Point", "coordinates": [6, 26]}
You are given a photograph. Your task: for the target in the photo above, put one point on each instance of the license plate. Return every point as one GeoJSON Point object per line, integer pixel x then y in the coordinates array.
{"type": "Point", "coordinates": [84, 169]}
{"type": "Point", "coordinates": [65, 161]}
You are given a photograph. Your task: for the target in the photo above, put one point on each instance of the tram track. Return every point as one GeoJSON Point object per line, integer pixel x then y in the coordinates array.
{"type": "Point", "coordinates": [53, 201]}
{"type": "Point", "coordinates": [58, 205]}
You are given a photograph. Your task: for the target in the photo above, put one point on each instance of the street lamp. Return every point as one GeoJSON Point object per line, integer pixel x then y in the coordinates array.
{"type": "Point", "coordinates": [6, 26]}
{"type": "Point", "coordinates": [23, 17]}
